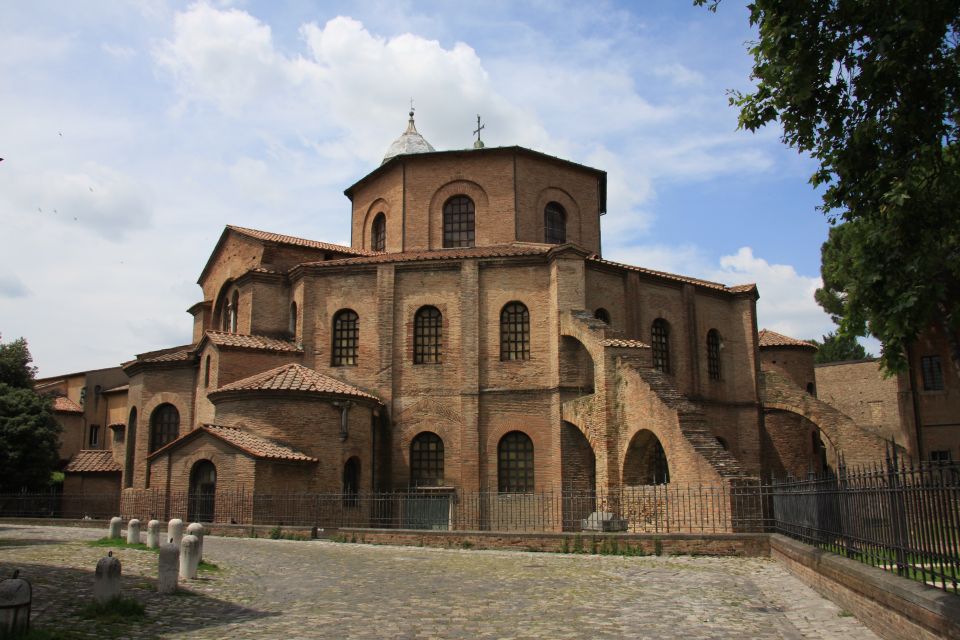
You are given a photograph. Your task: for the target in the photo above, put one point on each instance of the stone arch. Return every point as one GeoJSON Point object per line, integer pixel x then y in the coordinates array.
{"type": "Point", "coordinates": [201, 501]}
{"type": "Point", "coordinates": [577, 366]}
{"type": "Point", "coordinates": [645, 461]}
{"type": "Point", "coordinates": [578, 461]}
{"type": "Point", "coordinates": [220, 304]}
{"type": "Point", "coordinates": [380, 205]}
{"type": "Point", "coordinates": [453, 188]}
{"type": "Point", "coordinates": [571, 208]}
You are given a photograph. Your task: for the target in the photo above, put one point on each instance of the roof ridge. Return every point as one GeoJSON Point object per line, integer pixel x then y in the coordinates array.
{"type": "Point", "coordinates": [666, 274]}
{"type": "Point", "coordinates": [271, 236]}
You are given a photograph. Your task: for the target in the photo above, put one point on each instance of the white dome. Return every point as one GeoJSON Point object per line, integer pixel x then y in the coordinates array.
{"type": "Point", "coordinates": [409, 142]}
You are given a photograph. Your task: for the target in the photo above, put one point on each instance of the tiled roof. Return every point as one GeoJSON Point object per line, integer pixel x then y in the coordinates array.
{"type": "Point", "coordinates": [63, 404]}
{"type": "Point", "coordinates": [255, 445]}
{"type": "Point", "coordinates": [90, 461]}
{"type": "Point", "coordinates": [676, 277]}
{"type": "Point", "coordinates": [266, 236]}
{"type": "Point", "coordinates": [499, 251]}
{"type": "Point", "coordinates": [123, 387]}
{"type": "Point", "coordinates": [624, 342]}
{"type": "Point", "coordinates": [180, 354]}
{"type": "Point", "coordinates": [224, 339]}
{"type": "Point", "coordinates": [773, 339]}
{"type": "Point", "coordinates": [295, 377]}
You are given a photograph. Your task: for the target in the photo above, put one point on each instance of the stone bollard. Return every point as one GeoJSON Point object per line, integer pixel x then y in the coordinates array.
{"type": "Point", "coordinates": [169, 569]}
{"type": "Point", "coordinates": [189, 556]}
{"type": "Point", "coordinates": [106, 581]}
{"type": "Point", "coordinates": [175, 531]}
{"type": "Point", "coordinates": [133, 531]}
{"type": "Point", "coordinates": [115, 524]}
{"type": "Point", "coordinates": [153, 534]}
{"type": "Point", "coordinates": [196, 529]}
{"type": "Point", "coordinates": [16, 598]}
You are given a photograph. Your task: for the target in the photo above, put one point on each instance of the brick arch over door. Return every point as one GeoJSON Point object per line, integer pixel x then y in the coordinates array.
{"type": "Point", "coordinates": [481, 204]}
{"type": "Point", "coordinates": [645, 461]}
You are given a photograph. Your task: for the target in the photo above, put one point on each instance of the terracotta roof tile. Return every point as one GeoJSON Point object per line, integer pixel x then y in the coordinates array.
{"type": "Point", "coordinates": [224, 339]}
{"type": "Point", "coordinates": [279, 238]}
{"type": "Point", "coordinates": [90, 461]}
{"type": "Point", "coordinates": [63, 404]}
{"type": "Point", "coordinates": [773, 339]}
{"type": "Point", "coordinates": [500, 251]}
{"type": "Point", "coordinates": [176, 356]}
{"type": "Point", "coordinates": [255, 445]}
{"type": "Point", "coordinates": [123, 387]}
{"type": "Point", "coordinates": [624, 342]}
{"type": "Point", "coordinates": [740, 288]}
{"type": "Point", "coordinates": [295, 377]}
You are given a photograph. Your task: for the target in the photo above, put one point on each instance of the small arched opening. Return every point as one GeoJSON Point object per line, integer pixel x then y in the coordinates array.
{"type": "Point", "coordinates": [576, 368]}
{"type": "Point", "coordinates": [203, 490]}
{"type": "Point", "coordinates": [646, 461]}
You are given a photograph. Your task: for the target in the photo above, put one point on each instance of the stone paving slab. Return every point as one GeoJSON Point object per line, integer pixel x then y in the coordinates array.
{"type": "Point", "coordinates": [323, 589]}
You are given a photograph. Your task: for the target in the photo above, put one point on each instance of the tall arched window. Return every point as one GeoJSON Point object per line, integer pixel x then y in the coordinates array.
{"type": "Point", "coordinates": [234, 311]}
{"type": "Point", "coordinates": [351, 482]}
{"type": "Point", "coordinates": [131, 447]}
{"type": "Point", "coordinates": [206, 371]}
{"type": "Point", "coordinates": [458, 222]}
{"type": "Point", "coordinates": [164, 426]}
{"type": "Point", "coordinates": [602, 315]}
{"type": "Point", "coordinates": [515, 463]}
{"type": "Point", "coordinates": [660, 341]}
{"type": "Point", "coordinates": [713, 354]}
{"type": "Point", "coordinates": [346, 338]}
{"type": "Point", "coordinates": [292, 326]}
{"type": "Point", "coordinates": [426, 460]}
{"type": "Point", "coordinates": [554, 224]}
{"type": "Point", "coordinates": [378, 233]}
{"type": "Point", "coordinates": [514, 332]}
{"type": "Point", "coordinates": [427, 336]}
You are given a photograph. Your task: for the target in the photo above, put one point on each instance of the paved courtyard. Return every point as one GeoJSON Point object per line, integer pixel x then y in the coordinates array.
{"type": "Point", "coordinates": [320, 589]}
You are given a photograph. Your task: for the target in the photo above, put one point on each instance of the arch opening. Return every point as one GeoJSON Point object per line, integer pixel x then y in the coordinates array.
{"type": "Point", "coordinates": [203, 490]}
{"type": "Point", "coordinates": [646, 461]}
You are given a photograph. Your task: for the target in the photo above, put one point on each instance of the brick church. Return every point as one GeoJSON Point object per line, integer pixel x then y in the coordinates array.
{"type": "Point", "coordinates": [472, 337]}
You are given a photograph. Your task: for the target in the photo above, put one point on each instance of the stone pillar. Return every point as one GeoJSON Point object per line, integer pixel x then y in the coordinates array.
{"type": "Point", "coordinates": [115, 524]}
{"type": "Point", "coordinates": [175, 531]}
{"type": "Point", "coordinates": [169, 569]}
{"type": "Point", "coordinates": [189, 556]}
{"type": "Point", "coordinates": [106, 583]}
{"type": "Point", "coordinates": [196, 529]}
{"type": "Point", "coordinates": [153, 534]}
{"type": "Point", "coordinates": [133, 531]}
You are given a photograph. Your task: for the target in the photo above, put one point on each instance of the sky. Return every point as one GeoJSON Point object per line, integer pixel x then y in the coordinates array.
{"type": "Point", "coordinates": [132, 132]}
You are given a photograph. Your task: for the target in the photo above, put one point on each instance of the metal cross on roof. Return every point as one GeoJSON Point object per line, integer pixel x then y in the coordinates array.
{"type": "Point", "coordinates": [479, 128]}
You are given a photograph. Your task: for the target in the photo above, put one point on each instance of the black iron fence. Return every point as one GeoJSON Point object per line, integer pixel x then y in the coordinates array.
{"type": "Point", "coordinates": [895, 515]}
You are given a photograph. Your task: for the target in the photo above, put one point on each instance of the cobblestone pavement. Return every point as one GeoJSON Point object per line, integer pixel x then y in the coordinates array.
{"type": "Point", "coordinates": [320, 589]}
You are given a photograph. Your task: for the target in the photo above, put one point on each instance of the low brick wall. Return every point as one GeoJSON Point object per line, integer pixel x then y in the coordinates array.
{"type": "Point", "coordinates": [891, 606]}
{"type": "Point", "coordinates": [719, 544]}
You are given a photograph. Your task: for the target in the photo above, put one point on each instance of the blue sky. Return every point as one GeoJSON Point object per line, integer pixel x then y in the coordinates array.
{"type": "Point", "coordinates": [132, 132]}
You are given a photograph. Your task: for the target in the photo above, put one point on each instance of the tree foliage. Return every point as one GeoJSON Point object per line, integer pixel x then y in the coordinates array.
{"type": "Point", "coordinates": [837, 348]}
{"type": "Point", "coordinates": [29, 434]}
{"type": "Point", "coordinates": [871, 90]}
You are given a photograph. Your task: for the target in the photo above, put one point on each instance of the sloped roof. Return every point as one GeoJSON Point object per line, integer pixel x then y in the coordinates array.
{"type": "Point", "coordinates": [63, 404]}
{"type": "Point", "coordinates": [243, 341]}
{"type": "Point", "coordinates": [279, 238]}
{"type": "Point", "coordinates": [295, 377]}
{"type": "Point", "coordinates": [624, 342]}
{"type": "Point", "coordinates": [92, 461]}
{"type": "Point", "coordinates": [249, 443]}
{"type": "Point", "coordinates": [175, 354]}
{"type": "Point", "coordinates": [676, 277]}
{"type": "Point", "coordinates": [122, 387]}
{"type": "Point", "coordinates": [773, 339]}
{"type": "Point", "coordinates": [497, 251]}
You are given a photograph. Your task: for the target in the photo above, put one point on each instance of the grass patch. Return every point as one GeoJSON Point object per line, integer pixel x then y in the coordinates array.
{"type": "Point", "coordinates": [208, 566]}
{"type": "Point", "coordinates": [845, 614]}
{"type": "Point", "coordinates": [120, 543]}
{"type": "Point", "coordinates": [117, 610]}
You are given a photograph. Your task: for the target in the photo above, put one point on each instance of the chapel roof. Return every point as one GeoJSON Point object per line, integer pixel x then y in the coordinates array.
{"type": "Point", "coordinates": [496, 251]}
{"type": "Point", "coordinates": [249, 443]}
{"type": "Point", "coordinates": [63, 404]}
{"type": "Point", "coordinates": [740, 288]}
{"type": "Point", "coordinates": [773, 339]}
{"type": "Point", "coordinates": [410, 141]}
{"type": "Point", "coordinates": [244, 341]}
{"type": "Point", "coordinates": [297, 378]}
{"type": "Point", "coordinates": [92, 461]}
{"type": "Point", "coordinates": [279, 238]}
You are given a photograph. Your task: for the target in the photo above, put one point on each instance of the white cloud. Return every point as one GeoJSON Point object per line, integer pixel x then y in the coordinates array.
{"type": "Point", "coordinates": [12, 287]}
{"type": "Point", "coordinates": [679, 75]}
{"type": "Point", "coordinates": [118, 51]}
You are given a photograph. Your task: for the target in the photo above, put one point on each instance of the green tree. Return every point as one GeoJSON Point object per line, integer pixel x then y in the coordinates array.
{"type": "Point", "coordinates": [836, 348]}
{"type": "Point", "coordinates": [871, 90]}
{"type": "Point", "coordinates": [29, 434]}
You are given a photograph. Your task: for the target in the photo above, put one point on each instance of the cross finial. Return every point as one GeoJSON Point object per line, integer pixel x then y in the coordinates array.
{"type": "Point", "coordinates": [411, 107]}
{"type": "Point", "coordinates": [479, 143]}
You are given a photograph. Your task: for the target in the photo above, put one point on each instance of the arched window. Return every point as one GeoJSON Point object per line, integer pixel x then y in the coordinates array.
{"type": "Point", "coordinates": [723, 443]}
{"type": "Point", "coordinates": [206, 371]}
{"type": "Point", "coordinates": [164, 426]}
{"type": "Point", "coordinates": [458, 222]}
{"type": "Point", "coordinates": [554, 224]}
{"type": "Point", "coordinates": [811, 389]}
{"type": "Point", "coordinates": [346, 338]}
{"type": "Point", "coordinates": [427, 336]}
{"type": "Point", "coordinates": [201, 500]}
{"type": "Point", "coordinates": [378, 233]}
{"type": "Point", "coordinates": [713, 354]}
{"type": "Point", "coordinates": [234, 311]}
{"type": "Point", "coordinates": [426, 460]}
{"type": "Point", "coordinates": [602, 314]}
{"type": "Point", "coordinates": [514, 332]}
{"type": "Point", "coordinates": [130, 449]}
{"type": "Point", "coordinates": [515, 463]}
{"type": "Point", "coordinates": [292, 326]}
{"type": "Point", "coordinates": [660, 341]}
{"type": "Point", "coordinates": [351, 482]}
